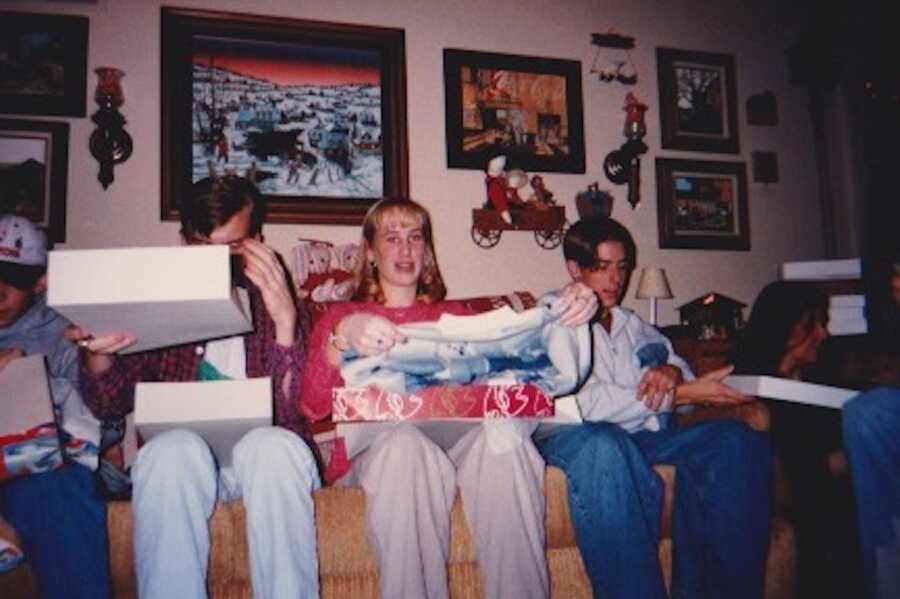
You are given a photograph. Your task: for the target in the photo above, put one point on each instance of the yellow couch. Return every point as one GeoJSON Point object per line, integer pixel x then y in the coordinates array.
{"type": "Point", "coordinates": [347, 567]}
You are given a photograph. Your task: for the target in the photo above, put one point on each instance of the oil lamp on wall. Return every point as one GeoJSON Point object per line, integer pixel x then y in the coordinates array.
{"type": "Point", "coordinates": [624, 165]}
{"type": "Point", "coordinates": [110, 144]}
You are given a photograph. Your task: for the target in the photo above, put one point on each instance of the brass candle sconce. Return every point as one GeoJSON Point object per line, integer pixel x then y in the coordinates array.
{"type": "Point", "coordinates": [110, 144]}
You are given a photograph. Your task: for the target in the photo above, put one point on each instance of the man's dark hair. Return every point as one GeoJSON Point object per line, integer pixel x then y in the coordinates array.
{"type": "Point", "coordinates": [214, 200]}
{"type": "Point", "coordinates": [582, 238]}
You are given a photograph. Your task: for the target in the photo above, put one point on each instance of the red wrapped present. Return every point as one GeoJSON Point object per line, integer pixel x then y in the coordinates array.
{"type": "Point", "coordinates": [441, 402]}
{"type": "Point", "coordinates": [30, 452]}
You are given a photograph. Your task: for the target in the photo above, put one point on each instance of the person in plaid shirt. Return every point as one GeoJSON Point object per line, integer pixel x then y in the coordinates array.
{"type": "Point", "coordinates": [175, 477]}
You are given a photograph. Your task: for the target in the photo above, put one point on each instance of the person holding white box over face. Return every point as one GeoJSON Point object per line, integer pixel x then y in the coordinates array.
{"type": "Point", "coordinates": [175, 475]}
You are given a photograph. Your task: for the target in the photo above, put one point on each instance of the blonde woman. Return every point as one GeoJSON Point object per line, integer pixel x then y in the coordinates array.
{"type": "Point", "coordinates": [410, 482]}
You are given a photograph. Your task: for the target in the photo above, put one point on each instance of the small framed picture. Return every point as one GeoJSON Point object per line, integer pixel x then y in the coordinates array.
{"type": "Point", "coordinates": [697, 101]}
{"type": "Point", "coordinates": [43, 64]}
{"type": "Point", "coordinates": [702, 204]}
{"type": "Point", "coordinates": [33, 165]}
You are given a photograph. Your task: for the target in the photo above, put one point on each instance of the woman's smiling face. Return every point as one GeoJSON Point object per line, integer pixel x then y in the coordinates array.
{"type": "Point", "coordinates": [398, 251]}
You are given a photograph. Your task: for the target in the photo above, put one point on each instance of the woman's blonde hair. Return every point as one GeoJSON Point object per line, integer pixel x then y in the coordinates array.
{"type": "Point", "coordinates": [368, 285]}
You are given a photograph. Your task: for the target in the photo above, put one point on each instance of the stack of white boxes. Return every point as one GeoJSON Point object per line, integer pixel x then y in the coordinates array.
{"type": "Point", "coordinates": [846, 313]}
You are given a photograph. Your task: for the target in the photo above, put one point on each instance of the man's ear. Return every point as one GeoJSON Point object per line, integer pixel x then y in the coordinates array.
{"type": "Point", "coordinates": [41, 285]}
{"type": "Point", "coordinates": [574, 270]}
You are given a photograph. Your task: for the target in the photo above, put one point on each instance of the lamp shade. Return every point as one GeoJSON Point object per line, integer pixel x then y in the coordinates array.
{"type": "Point", "coordinates": [653, 284]}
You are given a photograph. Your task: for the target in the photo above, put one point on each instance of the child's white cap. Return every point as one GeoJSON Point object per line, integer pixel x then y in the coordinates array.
{"type": "Point", "coordinates": [21, 242]}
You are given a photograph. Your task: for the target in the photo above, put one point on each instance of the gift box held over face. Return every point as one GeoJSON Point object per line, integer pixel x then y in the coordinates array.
{"type": "Point", "coordinates": [162, 296]}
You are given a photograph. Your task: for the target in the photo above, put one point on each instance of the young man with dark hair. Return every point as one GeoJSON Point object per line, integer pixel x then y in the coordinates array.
{"type": "Point", "coordinates": [175, 477]}
{"type": "Point", "coordinates": [58, 514]}
{"type": "Point", "coordinates": [723, 469]}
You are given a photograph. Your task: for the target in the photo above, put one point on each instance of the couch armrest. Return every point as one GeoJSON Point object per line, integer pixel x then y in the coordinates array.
{"type": "Point", "coordinates": [754, 414]}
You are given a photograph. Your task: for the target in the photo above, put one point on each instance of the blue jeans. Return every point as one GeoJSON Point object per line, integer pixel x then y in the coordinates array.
{"type": "Point", "coordinates": [720, 525]}
{"type": "Point", "coordinates": [871, 430]}
{"type": "Point", "coordinates": [62, 524]}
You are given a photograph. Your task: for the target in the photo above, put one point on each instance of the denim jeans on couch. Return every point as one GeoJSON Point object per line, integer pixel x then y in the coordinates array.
{"type": "Point", "coordinates": [723, 474]}
{"type": "Point", "coordinates": [871, 430]}
{"type": "Point", "coordinates": [62, 522]}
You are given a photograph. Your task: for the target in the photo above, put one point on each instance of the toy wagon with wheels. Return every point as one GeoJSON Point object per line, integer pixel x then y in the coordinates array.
{"type": "Point", "coordinates": [549, 225]}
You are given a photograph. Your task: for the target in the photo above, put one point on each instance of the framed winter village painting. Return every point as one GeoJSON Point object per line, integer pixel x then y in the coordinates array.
{"type": "Point", "coordinates": [315, 111]}
{"type": "Point", "coordinates": [526, 108]}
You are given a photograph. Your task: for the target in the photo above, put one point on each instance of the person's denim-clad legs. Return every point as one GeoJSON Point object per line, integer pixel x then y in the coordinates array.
{"type": "Point", "coordinates": [616, 502]}
{"type": "Point", "coordinates": [175, 491]}
{"type": "Point", "coordinates": [721, 513]}
{"type": "Point", "coordinates": [62, 523]}
{"type": "Point", "coordinates": [871, 430]}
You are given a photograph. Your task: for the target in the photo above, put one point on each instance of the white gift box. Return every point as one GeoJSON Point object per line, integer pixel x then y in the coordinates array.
{"type": "Point", "coordinates": [24, 395]}
{"type": "Point", "coordinates": [791, 390]}
{"type": "Point", "coordinates": [818, 270]}
{"type": "Point", "coordinates": [163, 296]}
{"type": "Point", "coordinates": [219, 411]}
{"type": "Point", "coordinates": [840, 302]}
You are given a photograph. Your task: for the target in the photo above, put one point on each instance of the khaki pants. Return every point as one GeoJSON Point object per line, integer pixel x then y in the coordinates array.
{"type": "Point", "coordinates": [410, 486]}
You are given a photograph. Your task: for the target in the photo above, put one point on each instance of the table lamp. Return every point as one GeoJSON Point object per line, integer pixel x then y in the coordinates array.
{"type": "Point", "coordinates": [653, 285]}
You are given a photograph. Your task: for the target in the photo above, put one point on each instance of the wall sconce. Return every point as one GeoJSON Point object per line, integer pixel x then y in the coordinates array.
{"type": "Point", "coordinates": [624, 165]}
{"type": "Point", "coordinates": [653, 285]}
{"type": "Point", "coordinates": [110, 144]}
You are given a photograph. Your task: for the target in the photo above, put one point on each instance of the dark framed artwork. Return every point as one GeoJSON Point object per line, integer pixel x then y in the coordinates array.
{"type": "Point", "coordinates": [44, 64]}
{"type": "Point", "coordinates": [527, 108]}
{"type": "Point", "coordinates": [697, 101]}
{"type": "Point", "coordinates": [33, 172]}
{"type": "Point", "coordinates": [315, 110]}
{"type": "Point", "coordinates": [702, 204]}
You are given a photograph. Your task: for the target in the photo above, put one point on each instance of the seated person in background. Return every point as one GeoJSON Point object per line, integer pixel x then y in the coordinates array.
{"type": "Point", "coordinates": [723, 468]}
{"type": "Point", "coordinates": [787, 325]}
{"type": "Point", "coordinates": [410, 482]}
{"type": "Point", "coordinates": [175, 475]}
{"type": "Point", "coordinates": [782, 338]}
{"type": "Point", "coordinates": [58, 514]}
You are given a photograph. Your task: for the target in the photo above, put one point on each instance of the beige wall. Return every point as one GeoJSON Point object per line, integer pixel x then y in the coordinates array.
{"type": "Point", "coordinates": [785, 221]}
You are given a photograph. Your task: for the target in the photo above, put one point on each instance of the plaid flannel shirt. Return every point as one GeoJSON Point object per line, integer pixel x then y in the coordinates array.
{"type": "Point", "coordinates": [111, 393]}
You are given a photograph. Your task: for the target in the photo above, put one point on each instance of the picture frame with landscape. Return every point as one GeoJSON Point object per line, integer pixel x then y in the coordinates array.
{"type": "Point", "coordinates": [33, 172]}
{"type": "Point", "coordinates": [702, 204]}
{"type": "Point", "coordinates": [697, 101]}
{"type": "Point", "coordinates": [528, 108]}
{"type": "Point", "coordinates": [316, 111]}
